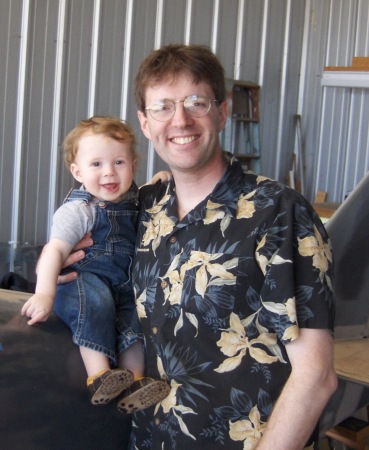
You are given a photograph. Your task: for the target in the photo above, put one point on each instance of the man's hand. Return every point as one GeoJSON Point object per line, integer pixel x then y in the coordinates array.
{"type": "Point", "coordinates": [74, 257]}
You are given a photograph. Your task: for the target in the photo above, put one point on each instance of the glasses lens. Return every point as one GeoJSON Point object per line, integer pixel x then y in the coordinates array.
{"type": "Point", "coordinates": [162, 110]}
{"type": "Point", "coordinates": [197, 106]}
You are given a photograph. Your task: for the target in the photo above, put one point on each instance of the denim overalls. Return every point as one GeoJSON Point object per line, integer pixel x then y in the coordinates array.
{"type": "Point", "coordinates": [99, 305]}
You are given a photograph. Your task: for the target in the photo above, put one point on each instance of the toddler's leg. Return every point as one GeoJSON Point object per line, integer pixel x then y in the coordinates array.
{"type": "Point", "coordinates": [145, 391]}
{"type": "Point", "coordinates": [133, 359]}
{"type": "Point", "coordinates": [103, 383]}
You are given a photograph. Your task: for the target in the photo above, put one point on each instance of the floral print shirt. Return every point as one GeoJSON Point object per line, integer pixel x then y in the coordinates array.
{"type": "Point", "coordinates": [219, 294]}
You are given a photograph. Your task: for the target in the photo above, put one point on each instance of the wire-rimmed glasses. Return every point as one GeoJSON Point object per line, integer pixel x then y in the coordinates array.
{"type": "Point", "coordinates": [194, 106]}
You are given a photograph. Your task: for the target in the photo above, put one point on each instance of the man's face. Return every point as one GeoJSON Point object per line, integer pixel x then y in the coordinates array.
{"type": "Point", "coordinates": [185, 143]}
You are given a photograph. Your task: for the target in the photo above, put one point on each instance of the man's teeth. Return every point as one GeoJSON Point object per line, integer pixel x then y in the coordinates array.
{"type": "Point", "coordinates": [183, 140]}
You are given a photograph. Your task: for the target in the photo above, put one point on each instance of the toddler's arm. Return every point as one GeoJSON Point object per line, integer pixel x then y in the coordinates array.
{"type": "Point", "coordinates": [40, 305]}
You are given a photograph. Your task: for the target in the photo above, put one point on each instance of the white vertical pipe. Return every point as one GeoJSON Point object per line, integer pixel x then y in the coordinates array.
{"type": "Point", "coordinates": [215, 26]}
{"type": "Point", "coordinates": [94, 52]}
{"type": "Point", "coordinates": [19, 128]}
{"type": "Point", "coordinates": [281, 116]}
{"type": "Point", "coordinates": [157, 44]}
{"type": "Point", "coordinates": [303, 66]}
{"type": "Point", "coordinates": [264, 30]}
{"type": "Point", "coordinates": [188, 22]}
{"type": "Point", "coordinates": [318, 157]}
{"type": "Point", "coordinates": [126, 60]}
{"type": "Point", "coordinates": [238, 51]}
{"type": "Point", "coordinates": [300, 102]}
{"type": "Point", "coordinates": [357, 99]}
{"type": "Point", "coordinates": [317, 170]}
{"type": "Point", "coordinates": [159, 23]}
{"type": "Point", "coordinates": [56, 111]}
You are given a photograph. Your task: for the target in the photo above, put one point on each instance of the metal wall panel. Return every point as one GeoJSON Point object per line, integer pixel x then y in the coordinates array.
{"type": "Point", "coordinates": [63, 60]}
{"type": "Point", "coordinates": [342, 147]}
{"type": "Point", "coordinates": [10, 35]}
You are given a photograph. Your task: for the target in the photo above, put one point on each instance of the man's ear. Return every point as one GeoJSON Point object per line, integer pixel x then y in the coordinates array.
{"type": "Point", "coordinates": [223, 115]}
{"type": "Point", "coordinates": [144, 124]}
{"type": "Point", "coordinates": [76, 172]}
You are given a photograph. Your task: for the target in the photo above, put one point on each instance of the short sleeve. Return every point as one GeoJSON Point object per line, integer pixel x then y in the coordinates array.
{"type": "Point", "coordinates": [71, 222]}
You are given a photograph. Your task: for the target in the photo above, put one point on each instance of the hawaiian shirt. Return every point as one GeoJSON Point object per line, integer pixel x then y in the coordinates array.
{"type": "Point", "coordinates": [219, 294]}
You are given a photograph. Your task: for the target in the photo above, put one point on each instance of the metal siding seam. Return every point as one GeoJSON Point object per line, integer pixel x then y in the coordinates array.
{"type": "Point", "coordinates": [126, 59]}
{"type": "Point", "coordinates": [282, 93]}
{"type": "Point", "coordinates": [320, 143]}
{"type": "Point", "coordinates": [188, 22]}
{"type": "Point", "coordinates": [19, 127]}
{"type": "Point", "coordinates": [361, 5]}
{"type": "Point", "coordinates": [329, 35]}
{"type": "Point", "coordinates": [94, 51]}
{"type": "Point", "coordinates": [159, 23]}
{"type": "Point", "coordinates": [351, 136]}
{"type": "Point", "coordinates": [263, 43]}
{"type": "Point", "coordinates": [303, 66]}
{"type": "Point", "coordinates": [56, 113]}
{"type": "Point", "coordinates": [238, 50]}
{"type": "Point", "coordinates": [214, 31]}
{"type": "Point", "coordinates": [158, 38]}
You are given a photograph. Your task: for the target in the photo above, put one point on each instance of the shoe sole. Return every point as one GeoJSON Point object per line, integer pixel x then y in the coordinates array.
{"type": "Point", "coordinates": [113, 385]}
{"type": "Point", "coordinates": [144, 397]}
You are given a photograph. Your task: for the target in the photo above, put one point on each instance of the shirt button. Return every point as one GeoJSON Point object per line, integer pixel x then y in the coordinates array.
{"type": "Point", "coordinates": [163, 284]}
{"type": "Point", "coordinates": [102, 204]}
{"type": "Point", "coordinates": [157, 421]}
{"type": "Point", "coordinates": [154, 330]}
{"type": "Point", "coordinates": [173, 240]}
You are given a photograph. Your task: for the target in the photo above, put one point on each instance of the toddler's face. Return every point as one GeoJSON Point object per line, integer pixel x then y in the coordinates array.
{"type": "Point", "coordinates": [104, 166]}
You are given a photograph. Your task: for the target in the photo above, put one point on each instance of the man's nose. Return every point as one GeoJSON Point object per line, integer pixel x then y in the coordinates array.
{"type": "Point", "coordinates": [181, 117]}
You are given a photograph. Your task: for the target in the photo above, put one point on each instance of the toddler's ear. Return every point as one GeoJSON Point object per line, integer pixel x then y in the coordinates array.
{"type": "Point", "coordinates": [76, 172]}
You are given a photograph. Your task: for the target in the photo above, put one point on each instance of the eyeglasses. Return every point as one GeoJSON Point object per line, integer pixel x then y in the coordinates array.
{"type": "Point", "coordinates": [194, 106]}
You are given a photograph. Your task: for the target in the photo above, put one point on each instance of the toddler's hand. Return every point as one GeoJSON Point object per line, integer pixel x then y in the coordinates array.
{"type": "Point", "coordinates": [164, 176]}
{"type": "Point", "coordinates": [38, 308]}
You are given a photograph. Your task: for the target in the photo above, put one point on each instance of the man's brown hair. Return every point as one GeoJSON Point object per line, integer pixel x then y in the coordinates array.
{"type": "Point", "coordinates": [198, 61]}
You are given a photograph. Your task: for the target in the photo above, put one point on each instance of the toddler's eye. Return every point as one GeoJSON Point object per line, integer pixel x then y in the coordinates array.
{"type": "Point", "coordinates": [95, 164]}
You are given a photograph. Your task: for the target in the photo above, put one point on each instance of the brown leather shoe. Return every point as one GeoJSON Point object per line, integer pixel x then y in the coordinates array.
{"type": "Point", "coordinates": [109, 385]}
{"type": "Point", "coordinates": [142, 394]}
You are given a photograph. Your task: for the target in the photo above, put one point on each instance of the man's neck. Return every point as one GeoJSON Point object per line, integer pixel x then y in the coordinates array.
{"type": "Point", "coordinates": [193, 188]}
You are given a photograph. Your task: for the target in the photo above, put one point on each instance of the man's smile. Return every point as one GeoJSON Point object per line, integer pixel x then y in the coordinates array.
{"type": "Point", "coordinates": [183, 140]}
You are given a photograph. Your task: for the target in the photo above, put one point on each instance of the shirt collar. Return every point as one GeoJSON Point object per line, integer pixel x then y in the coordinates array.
{"type": "Point", "coordinates": [225, 194]}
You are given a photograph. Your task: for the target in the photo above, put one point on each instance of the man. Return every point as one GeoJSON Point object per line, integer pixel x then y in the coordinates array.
{"type": "Point", "coordinates": [232, 274]}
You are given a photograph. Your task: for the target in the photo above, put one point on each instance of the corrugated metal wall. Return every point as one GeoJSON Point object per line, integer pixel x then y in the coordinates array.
{"type": "Point", "coordinates": [335, 118]}
{"type": "Point", "coordinates": [65, 60]}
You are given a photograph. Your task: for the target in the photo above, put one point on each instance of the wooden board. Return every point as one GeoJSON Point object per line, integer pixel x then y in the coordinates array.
{"type": "Point", "coordinates": [351, 360]}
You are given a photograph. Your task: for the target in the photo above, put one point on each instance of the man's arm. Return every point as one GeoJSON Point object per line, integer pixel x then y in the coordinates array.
{"type": "Point", "coordinates": [304, 396]}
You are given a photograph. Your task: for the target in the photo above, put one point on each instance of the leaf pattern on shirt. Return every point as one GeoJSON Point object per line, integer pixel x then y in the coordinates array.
{"type": "Point", "coordinates": [248, 430]}
{"type": "Point", "coordinates": [160, 224]}
{"type": "Point", "coordinates": [320, 251]}
{"type": "Point", "coordinates": [207, 273]}
{"type": "Point", "coordinates": [225, 289]}
{"type": "Point", "coordinates": [235, 343]}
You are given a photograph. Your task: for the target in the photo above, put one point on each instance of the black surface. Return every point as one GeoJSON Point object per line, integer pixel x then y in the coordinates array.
{"type": "Point", "coordinates": [44, 404]}
{"type": "Point", "coordinates": [348, 229]}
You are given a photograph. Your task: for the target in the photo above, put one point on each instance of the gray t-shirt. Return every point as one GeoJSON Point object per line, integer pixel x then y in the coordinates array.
{"type": "Point", "coordinates": [72, 221]}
